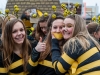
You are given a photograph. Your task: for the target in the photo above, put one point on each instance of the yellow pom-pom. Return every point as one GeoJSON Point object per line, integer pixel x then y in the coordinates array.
{"type": "Point", "coordinates": [7, 11]}
{"type": "Point", "coordinates": [54, 7]}
{"type": "Point", "coordinates": [15, 6]}
{"type": "Point", "coordinates": [68, 12]}
{"type": "Point", "coordinates": [45, 14]}
{"type": "Point", "coordinates": [53, 16]}
{"type": "Point", "coordinates": [76, 5]}
{"type": "Point", "coordinates": [34, 15]}
{"type": "Point", "coordinates": [94, 18]}
{"type": "Point", "coordinates": [16, 9]}
{"type": "Point", "coordinates": [98, 17]}
{"type": "Point", "coordinates": [63, 6]}
{"type": "Point", "coordinates": [32, 29]}
{"type": "Point", "coordinates": [65, 14]}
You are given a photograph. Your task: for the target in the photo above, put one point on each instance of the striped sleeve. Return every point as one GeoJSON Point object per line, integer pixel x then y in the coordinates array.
{"type": "Point", "coordinates": [61, 63]}
{"type": "Point", "coordinates": [33, 61]}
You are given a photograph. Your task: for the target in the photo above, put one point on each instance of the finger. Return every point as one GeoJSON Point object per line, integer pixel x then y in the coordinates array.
{"type": "Point", "coordinates": [40, 40]}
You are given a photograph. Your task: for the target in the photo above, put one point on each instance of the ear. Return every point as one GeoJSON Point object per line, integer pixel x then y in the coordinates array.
{"type": "Point", "coordinates": [95, 34]}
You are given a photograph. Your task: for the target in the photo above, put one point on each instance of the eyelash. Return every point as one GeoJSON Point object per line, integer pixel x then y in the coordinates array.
{"type": "Point", "coordinates": [16, 30]}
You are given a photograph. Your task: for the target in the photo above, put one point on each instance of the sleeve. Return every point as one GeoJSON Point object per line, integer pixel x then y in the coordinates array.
{"type": "Point", "coordinates": [62, 63]}
{"type": "Point", "coordinates": [33, 61]}
{"type": "Point", "coordinates": [3, 70]}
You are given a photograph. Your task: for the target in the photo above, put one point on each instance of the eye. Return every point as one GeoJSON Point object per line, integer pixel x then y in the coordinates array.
{"type": "Point", "coordinates": [21, 29]}
{"type": "Point", "coordinates": [69, 25]}
{"type": "Point", "coordinates": [54, 27]}
{"type": "Point", "coordinates": [14, 31]}
{"type": "Point", "coordinates": [63, 26]}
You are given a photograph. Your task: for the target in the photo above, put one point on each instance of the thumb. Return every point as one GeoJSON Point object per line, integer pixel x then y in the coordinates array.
{"type": "Point", "coordinates": [40, 40]}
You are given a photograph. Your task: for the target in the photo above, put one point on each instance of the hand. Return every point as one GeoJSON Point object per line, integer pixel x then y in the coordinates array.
{"type": "Point", "coordinates": [41, 46]}
{"type": "Point", "coordinates": [53, 37]}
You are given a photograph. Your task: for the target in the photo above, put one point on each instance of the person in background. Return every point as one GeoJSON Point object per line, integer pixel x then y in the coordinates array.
{"type": "Point", "coordinates": [15, 49]}
{"type": "Point", "coordinates": [80, 48]}
{"type": "Point", "coordinates": [94, 30]}
{"type": "Point", "coordinates": [40, 61]}
{"type": "Point", "coordinates": [40, 30]}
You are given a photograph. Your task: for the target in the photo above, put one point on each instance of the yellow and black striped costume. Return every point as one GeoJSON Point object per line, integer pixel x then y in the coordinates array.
{"type": "Point", "coordinates": [80, 62]}
{"type": "Point", "coordinates": [40, 68]}
{"type": "Point", "coordinates": [16, 68]}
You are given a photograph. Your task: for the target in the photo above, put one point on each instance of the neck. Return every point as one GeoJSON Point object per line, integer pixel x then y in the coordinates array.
{"type": "Point", "coordinates": [18, 49]}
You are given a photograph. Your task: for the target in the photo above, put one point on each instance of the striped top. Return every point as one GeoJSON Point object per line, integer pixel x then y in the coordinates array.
{"type": "Point", "coordinates": [44, 67]}
{"type": "Point", "coordinates": [80, 62]}
{"type": "Point", "coordinates": [16, 67]}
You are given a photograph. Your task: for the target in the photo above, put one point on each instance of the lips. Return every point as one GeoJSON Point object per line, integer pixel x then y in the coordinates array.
{"type": "Point", "coordinates": [58, 36]}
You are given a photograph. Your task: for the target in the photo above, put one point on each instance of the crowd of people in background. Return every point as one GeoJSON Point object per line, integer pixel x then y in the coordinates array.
{"type": "Point", "coordinates": [57, 46]}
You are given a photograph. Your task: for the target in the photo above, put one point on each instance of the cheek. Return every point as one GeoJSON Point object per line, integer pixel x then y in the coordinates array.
{"type": "Point", "coordinates": [13, 36]}
{"type": "Point", "coordinates": [71, 30]}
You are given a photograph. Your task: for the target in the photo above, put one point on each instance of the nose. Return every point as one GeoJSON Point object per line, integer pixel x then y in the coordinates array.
{"type": "Point", "coordinates": [58, 30]}
{"type": "Point", "coordinates": [19, 33]}
{"type": "Point", "coordinates": [64, 28]}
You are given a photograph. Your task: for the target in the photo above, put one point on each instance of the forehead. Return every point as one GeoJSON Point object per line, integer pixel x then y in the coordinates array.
{"type": "Point", "coordinates": [69, 20]}
{"type": "Point", "coordinates": [43, 24]}
{"type": "Point", "coordinates": [18, 25]}
{"type": "Point", "coordinates": [57, 22]}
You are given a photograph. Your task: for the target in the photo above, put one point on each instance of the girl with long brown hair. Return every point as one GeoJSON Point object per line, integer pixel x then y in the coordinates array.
{"type": "Point", "coordinates": [15, 49]}
{"type": "Point", "coordinates": [40, 61]}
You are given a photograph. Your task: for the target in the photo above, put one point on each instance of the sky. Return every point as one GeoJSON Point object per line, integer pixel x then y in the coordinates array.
{"type": "Point", "coordinates": [88, 3]}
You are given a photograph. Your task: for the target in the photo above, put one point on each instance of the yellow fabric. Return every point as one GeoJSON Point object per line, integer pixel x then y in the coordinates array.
{"type": "Point", "coordinates": [16, 64]}
{"type": "Point", "coordinates": [88, 66]}
{"type": "Point", "coordinates": [22, 73]}
{"type": "Point", "coordinates": [60, 67]}
{"type": "Point", "coordinates": [46, 63]}
{"type": "Point", "coordinates": [32, 63]}
{"type": "Point", "coordinates": [67, 59]}
{"type": "Point", "coordinates": [86, 55]}
{"type": "Point", "coordinates": [74, 67]}
{"type": "Point", "coordinates": [3, 70]}
{"type": "Point", "coordinates": [93, 73]}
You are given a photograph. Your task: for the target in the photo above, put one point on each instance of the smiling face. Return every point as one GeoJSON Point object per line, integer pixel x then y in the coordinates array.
{"type": "Point", "coordinates": [68, 28]}
{"type": "Point", "coordinates": [18, 33]}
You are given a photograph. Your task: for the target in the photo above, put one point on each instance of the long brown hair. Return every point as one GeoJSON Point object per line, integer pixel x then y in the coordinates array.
{"type": "Point", "coordinates": [80, 34]}
{"type": "Point", "coordinates": [44, 54]}
{"type": "Point", "coordinates": [8, 45]}
{"type": "Point", "coordinates": [39, 32]}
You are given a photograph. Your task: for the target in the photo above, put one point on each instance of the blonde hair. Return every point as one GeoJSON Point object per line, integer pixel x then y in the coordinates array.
{"type": "Point", "coordinates": [80, 34]}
